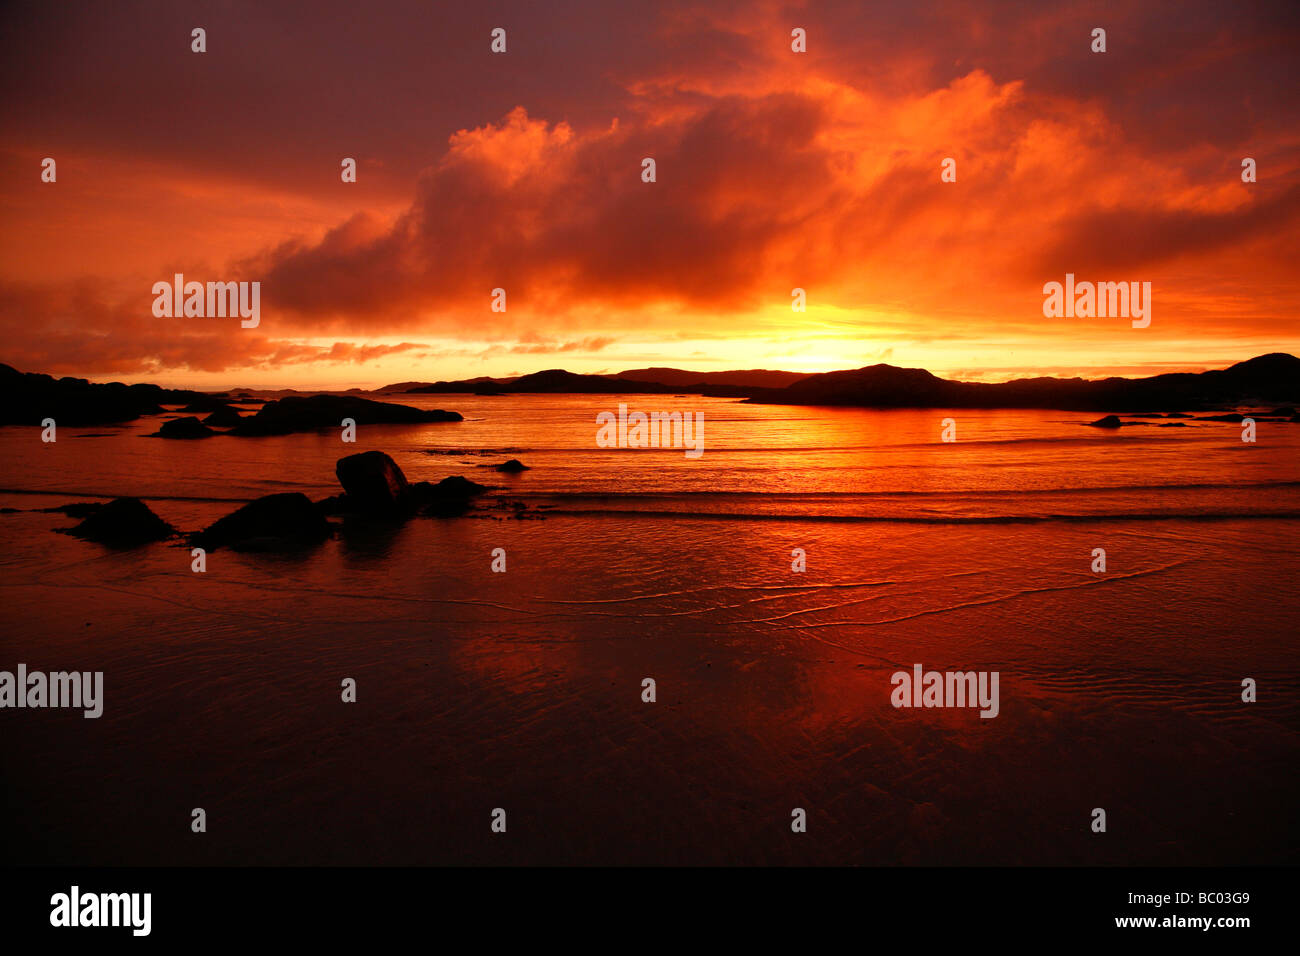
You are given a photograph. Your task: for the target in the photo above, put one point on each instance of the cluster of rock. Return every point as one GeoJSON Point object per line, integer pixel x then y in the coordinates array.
{"type": "Point", "coordinates": [373, 486]}
{"type": "Point", "coordinates": [28, 398]}
{"type": "Point", "coordinates": [297, 413]}
{"type": "Point", "coordinates": [306, 413]}
{"type": "Point", "coordinates": [1284, 414]}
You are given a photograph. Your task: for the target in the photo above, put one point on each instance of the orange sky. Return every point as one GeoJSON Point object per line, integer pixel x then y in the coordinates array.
{"type": "Point", "coordinates": [522, 171]}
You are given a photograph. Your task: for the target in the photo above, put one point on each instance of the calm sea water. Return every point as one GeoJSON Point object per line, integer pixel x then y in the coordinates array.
{"type": "Point", "coordinates": [522, 690]}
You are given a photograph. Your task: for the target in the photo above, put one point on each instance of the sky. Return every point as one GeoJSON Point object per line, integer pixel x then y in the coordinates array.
{"type": "Point", "coordinates": [522, 170]}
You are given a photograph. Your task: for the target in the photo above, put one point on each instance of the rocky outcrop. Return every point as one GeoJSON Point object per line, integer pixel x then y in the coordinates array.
{"type": "Point", "coordinates": [30, 398]}
{"type": "Point", "coordinates": [273, 523]}
{"type": "Point", "coordinates": [374, 485]}
{"type": "Point", "coordinates": [449, 497]}
{"type": "Point", "coordinates": [307, 413]}
{"type": "Point", "coordinates": [1110, 421]}
{"type": "Point", "coordinates": [511, 467]}
{"type": "Point", "coordinates": [224, 417]}
{"type": "Point", "coordinates": [123, 522]}
{"type": "Point", "coordinates": [188, 427]}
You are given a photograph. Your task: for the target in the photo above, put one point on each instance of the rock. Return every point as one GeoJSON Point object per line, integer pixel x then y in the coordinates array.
{"type": "Point", "coordinates": [1234, 417]}
{"type": "Point", "coordinates": [123, 522]}
{"type": "Point", "coordinates": [513, 466]}
{"type": "Point", "coordinates": [30, 398]}
{"type": "Point", "coordinates": [271, 523]}
{"type": "Point", "coordinates": [78, 509]}
{"type": "Point", "coordinates": [1110, 421]}
{"type": "Point", "coordinates": [188, 427]}
{"type": "Point", "coordinates": [1286, 411]}
{"type": "Point", "coordinates": [451, 496]}
{"type": "Point", "coordinates": [372, 482]}
{"type": "Point", "coordinates": [224, 417]}
{"type": "Point", "coordinates": [1172, 425]}
{"type": "Point", "coordinates": [333, 505]}
{"type": "Point", "coordinates": [307, 413]}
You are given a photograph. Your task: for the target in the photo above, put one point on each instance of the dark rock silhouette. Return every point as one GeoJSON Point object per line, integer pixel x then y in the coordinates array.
{"type": "Point", "coordinates": [188, 427]}
{"type": "Point", "coordinates": [28, 398]}
{"type": "Point", "coordinates": [333, 505]}
{"type": "Point", "coordinates": [374, 485]}
{"type": "Point", "coordinates": [372, 481]}
{"type": "Point", "coordinates": [1110, 421]}
{"type": "Point", "coordinates": [123, 522]}
{"type": "Point", "coordinates": [513, 466]}
{"type": "Point", "coordinates": [307, 413]}
{"type": "Point", "coordinates": [272, 523]}
{"type": "Point", "coordinates": [449, 497]}
{"type": "Point", "coordinates": [78, 509]}
{"type": "Point", "coordinates": [224, 417]}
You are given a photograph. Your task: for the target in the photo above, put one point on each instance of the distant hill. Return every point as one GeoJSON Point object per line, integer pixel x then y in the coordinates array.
{"type": "Point", "coordinates": [1261, 380]}
{"type": "Point", "coordinates": [27, 398]}
{"type": "Point", "coordinates": [551, 381]}
{"type": "Point", "coordinates": [649, 380]}
{"type": "Point", "coordinates": [1267, 379]}
{"type": "Point", "coordinates": [681, 378]}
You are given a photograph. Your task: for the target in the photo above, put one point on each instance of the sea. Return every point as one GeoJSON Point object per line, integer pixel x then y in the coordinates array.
{"type": "Point", "coordinates": [636, 656]}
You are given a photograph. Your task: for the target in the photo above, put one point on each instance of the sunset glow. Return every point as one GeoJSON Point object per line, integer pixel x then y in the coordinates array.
{"type": "Point", "coordinates": [775, 171]}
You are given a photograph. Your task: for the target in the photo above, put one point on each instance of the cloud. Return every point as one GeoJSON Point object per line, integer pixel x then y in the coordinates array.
{"type": "Point", "coordinates": [774, 170]}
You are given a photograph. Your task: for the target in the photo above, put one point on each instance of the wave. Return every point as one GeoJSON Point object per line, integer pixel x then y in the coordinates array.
{"type": "Point", "coordinates": [866, 495]}
{"type": "Point", "coordinates": [1197, 516]}
{"type": "Point", "coordinates": [1086, 440]}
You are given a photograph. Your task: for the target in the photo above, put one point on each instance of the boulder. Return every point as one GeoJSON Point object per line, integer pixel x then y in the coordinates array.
{"type": "Point", "coordinates": [512, 467]}
{"type": "Point", "coordinates": [188, 427]}
{"type": "Point", "coordinates": [123, 522]}
{"type": "Point", "coordinates": [272, 523]}
{"type": "Point", "coordinates": [1110, 421]}
{"type": "Point", "coordinates": [306, 413]}
{"type": "Point", "coordinates": [224, 417]}
{"type": "Point", "coordinates": [451, 496]}
{"type": "Point", "coordinates": [372, 482]}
